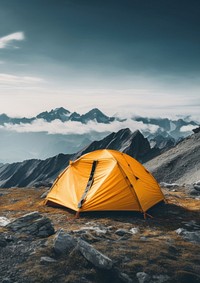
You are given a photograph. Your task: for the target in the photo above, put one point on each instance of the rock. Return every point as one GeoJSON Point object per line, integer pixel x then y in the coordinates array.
{"type": "Point", "coordinates": [95, 257]}
{"type": "Point", "coordinates": [6, 280]}
{"type": "Point", "coordinates": [197, 187]}
{"type": "Point", "coordinates": [192, 224]}
{"type": "Point", "coordinates": [134, 230]}
{"type": "Point", "coordinates": [88, 237]}
{"type": "Point", "coordinates": [161, 278]}
{"type": "Point", "coordinates": [143, 277]}
{"type": "Point", "coordinates": [168, 185]}
{"type": "Point", "coordinates": [47, 259]}
{"type": "Point", "coordinates": [193, 237]}
{"type": "Point", "coordinates": [193, 192]}
{"type": "Point", "coordinates": [63, 242]}
{"type": "Point", "coordinates": [44, 194]}
{"type": "Point", "coordinates": [98, 231]}
{"type": "Point", "coordinates": [122, 232]}
{"type": "Point", "coordinates": [143, 238]}
{"type": "Point", "coordinates": [186, 277]}
{"type": "Point", "coordinates": [4, 221]}
{"type": "Point", "coordinates": [33, 224]}
{"type": "Point", "coordinates": [124, 278]}
{"type": "Point", "coordinates": [3, 242]}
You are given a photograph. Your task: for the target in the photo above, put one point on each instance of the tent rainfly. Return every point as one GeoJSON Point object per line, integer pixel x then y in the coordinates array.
{"type": "Point", "coordinates": [105, 180]}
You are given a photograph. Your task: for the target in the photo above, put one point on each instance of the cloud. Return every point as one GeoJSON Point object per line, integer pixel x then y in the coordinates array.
{"type": "Point", "coordinates": [7, 41]}
{"type": "Point", "coordinates": [12, 79]}
{"type": "Point", "coordinates": [187, 128]}
{"type": "Point", "coordinates": [71, 127]}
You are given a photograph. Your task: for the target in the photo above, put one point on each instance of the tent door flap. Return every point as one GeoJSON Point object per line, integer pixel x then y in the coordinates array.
{"type": "Point", "coordinates": [89, 184]}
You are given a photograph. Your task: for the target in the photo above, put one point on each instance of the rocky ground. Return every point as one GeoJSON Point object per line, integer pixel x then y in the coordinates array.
{"type": "Point", "coordinates": [50, 246]}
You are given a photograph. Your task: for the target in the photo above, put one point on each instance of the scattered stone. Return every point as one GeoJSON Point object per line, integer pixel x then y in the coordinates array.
{"type": "Point", "coordinates": [33, 224]}
{"type": "Point", "coordinates": [143, 238]}
{"type": "Point", "coordinates": [6, 280]}
{"type": "Point", "coordinates": [192, 225]}
{"type": "Point", "coordinates": [197, 187]}
{"type": "Point", "coordinates": [4, 221]}
{"type": "Point", "coordinates": [134, 230]}
{"type": "Point", "coordinates": [63, 242]}
{"type": "Point", "coordinates": [95, 257]}
{"type": "Point", "coordinates": [193, 237]}
{"type": "Point", "coordinates": [124, 278]}
{"type": "Point", "coordinates": [47, 259]}
{"type": "Point", "coordinates": [44, 194]}
{"type": "Point", "coordinates": [186, 277]}
{"type": "Point", "coordinates": [160, 278]}
{"type": "Point", "coordinates": [3, 242]}
{"type": "Point", "coordinates": [98, 231]}
{"type": "Point", "coordinates": [88, 237]}
{"type": "Point", "coordinates": [122, 232]}
{"type": "Point", "coordinates": [143, 277]}
{"type": "Point", "coordinates": [168, 185]}
{"type": "Point", "coordinates": [193, 192]}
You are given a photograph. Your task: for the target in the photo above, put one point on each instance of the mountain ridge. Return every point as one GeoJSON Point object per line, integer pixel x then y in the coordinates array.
{"type": "Point", "coordinates": [36, 172]}
{"type": "Point", "coordinates": [27, 138]}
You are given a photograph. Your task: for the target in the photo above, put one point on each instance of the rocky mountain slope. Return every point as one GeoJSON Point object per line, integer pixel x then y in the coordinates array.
{"type": "Point", "coordinates": [36, 172]}
{"type": "Point", "coordinates": [125, 141]}
{"type": "Point", "coordinates": [179, 164]}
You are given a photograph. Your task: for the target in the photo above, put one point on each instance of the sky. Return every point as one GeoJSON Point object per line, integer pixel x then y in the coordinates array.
{"type": "Point", "coordinates": [132, 57]}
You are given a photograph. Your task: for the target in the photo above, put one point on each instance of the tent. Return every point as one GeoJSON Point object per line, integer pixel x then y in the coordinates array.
{"type": "Point", "coordinates": [105, 180]}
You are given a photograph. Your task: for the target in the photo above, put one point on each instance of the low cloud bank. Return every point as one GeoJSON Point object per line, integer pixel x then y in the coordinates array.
{"type": "Point", "coordinates": [72, 127]}
{"type": "Point", "coordinates": [187, 128]}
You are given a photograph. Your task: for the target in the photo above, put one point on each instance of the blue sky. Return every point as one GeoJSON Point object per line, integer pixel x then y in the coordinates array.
{"type": "Point", "coordinates": [126, 56]}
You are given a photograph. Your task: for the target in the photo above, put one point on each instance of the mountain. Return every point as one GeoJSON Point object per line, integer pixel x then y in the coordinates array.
{"type": "Point", "coordinates": [58, 113]}
{"type": "Point", "coordinates": [32, 138]}
{"type": "Point", "coordinates": [36, 172]}
{"type": "Point", "coordinates": [63, 115]}
{"type": "Point", "coordinates": [96, 115]}
{"type": "Point", "coordinates": [179, 164]}
{"type": "Point", "coordinates": [171, 127]}
{"type": "Point", "coordinates": [134, 144]}
{"type": "Point", "coordinates": [4, 119]}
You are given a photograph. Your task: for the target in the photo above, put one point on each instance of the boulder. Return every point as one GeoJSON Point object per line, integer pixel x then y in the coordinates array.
{"type": "Point", "coordinates": [143, 277]}
{"type": "Point", "coordinates": [197, 187]}
{"type": "Point", "coordinates": [184, 276]}
{"type": "Point", "coordinates": [95, 257]}
{"type": "Point", "coordinates": [63, 242]}
{"type": "Point", "coordinates": [33, 224]}
{"type": "Point", "coordinates": [122, 232]}
{"type": "Point", "coordinates": [47, 259]}
{"type": "Point", "coordinates": [161, 278]}
{"type": "Point", "coordinates": [134, 230]}
{"type": "Point", "coordinates": [3, 241]}
{"type": "Point", "coordinates": [44, 194]}
{"type": "Point", "coordinates": [193, 237]}
{"type": "Point", "coordinates": [4, 221]}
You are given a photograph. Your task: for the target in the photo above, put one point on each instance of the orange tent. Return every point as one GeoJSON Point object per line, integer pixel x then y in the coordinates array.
{"type": "Point", "coordinates": [105, 180]}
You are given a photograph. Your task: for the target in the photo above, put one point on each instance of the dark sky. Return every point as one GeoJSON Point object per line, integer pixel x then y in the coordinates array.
{"type": "Point", "coordinates": [104, 44]}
